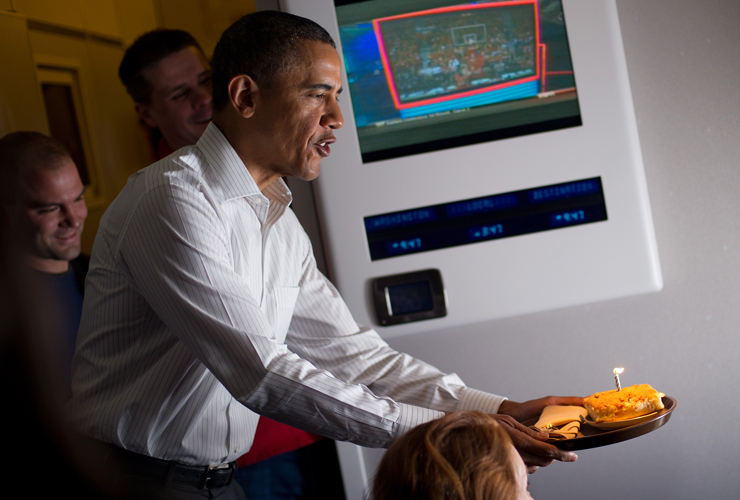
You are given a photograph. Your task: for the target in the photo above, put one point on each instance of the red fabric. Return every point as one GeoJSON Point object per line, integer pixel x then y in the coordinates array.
{"type": "Point", "coordinates": [163, 150]}
{"type": "Point", "coordinates": [273, 438]}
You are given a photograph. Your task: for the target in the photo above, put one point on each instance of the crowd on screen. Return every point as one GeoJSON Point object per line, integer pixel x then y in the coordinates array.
{"type": "Point", "coordinates": [451, 53]}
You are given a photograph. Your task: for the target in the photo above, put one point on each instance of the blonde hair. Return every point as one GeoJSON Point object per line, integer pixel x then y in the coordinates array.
{"type": "Point", "coordinates": [462, 456]}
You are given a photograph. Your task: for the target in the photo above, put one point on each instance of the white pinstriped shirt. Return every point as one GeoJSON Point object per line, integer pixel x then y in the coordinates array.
{"type": "Point", "coordinates": [204, 308]}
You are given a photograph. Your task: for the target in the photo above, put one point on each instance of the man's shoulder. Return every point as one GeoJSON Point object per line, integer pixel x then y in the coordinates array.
{"type": "Point", "coordinates": [179, 176]}
{"type": "Point", "coordinates": [184, 169]}
{"type": "Point", "coordinates": [185, 166]}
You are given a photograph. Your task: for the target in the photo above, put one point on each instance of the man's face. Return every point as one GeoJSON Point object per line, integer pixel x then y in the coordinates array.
{"type": "Point", "coordinates": [299, 112]}
{"type": "Point", "coordinates": [180, 105]}
{"type": "Point", "coordinates": [55, 212]}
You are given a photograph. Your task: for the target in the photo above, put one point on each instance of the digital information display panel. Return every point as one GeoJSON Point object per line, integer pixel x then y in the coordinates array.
{"type": "Point", "coordinates": [426, 75]}
{"type": "Point", "coordinates": [486, 218]}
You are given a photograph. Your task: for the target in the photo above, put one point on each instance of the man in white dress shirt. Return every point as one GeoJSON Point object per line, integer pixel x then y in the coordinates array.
{"type": "Point", "coordinates": [204, 306]}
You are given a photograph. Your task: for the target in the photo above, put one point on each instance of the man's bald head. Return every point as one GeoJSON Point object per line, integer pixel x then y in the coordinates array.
{"type": "Point", "coordinates": [42, 198]}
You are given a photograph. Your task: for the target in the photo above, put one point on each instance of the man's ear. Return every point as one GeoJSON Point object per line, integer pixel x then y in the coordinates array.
{"type": "Point", "coordinates": [243, 91]}
{"type": "Point", "coordinates": [145, 114]}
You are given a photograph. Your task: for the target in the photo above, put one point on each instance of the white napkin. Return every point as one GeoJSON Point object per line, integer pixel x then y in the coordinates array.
{"type": "Point", "coordinates": [561, 422]}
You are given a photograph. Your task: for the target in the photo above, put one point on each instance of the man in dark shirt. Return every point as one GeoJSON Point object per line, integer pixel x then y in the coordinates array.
{"type": "Point", "coordinates": [48, 211]}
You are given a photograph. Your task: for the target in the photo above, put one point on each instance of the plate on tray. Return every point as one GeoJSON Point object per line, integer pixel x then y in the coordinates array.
{"type": "Point", "coordinates": [595, 437]}
{"type": "Point", "coordinates": [624, 423]}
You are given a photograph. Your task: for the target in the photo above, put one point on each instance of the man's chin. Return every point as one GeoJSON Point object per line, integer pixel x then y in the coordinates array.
{"type": "Point", "coordinates": [309, 176]}
{"type": "Point", "coordinates": [199, 128]}
{"type": "Point", "coordinates": [66, 253]}
{"type": "Point", "coordinates": [311, 171]}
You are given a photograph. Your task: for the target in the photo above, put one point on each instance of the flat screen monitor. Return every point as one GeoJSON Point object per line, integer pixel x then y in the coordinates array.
{"type": "Point", "coordinates": [426, 75]}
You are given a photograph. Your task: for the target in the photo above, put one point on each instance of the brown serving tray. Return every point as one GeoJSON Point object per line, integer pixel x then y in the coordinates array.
{"type": "Point", "coordinates": [594, 438]}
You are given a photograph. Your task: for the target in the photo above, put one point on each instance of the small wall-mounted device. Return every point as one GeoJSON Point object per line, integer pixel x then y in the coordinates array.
{"type": "Point", "coordinates": [407, 297]}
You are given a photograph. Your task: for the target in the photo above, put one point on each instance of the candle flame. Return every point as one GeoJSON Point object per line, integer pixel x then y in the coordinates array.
{"type": "Point", "coordinates": [618, 371]}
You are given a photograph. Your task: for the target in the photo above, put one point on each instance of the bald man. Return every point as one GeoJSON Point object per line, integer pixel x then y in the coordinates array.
{"type": "Point", "coordinates": [48, 212]}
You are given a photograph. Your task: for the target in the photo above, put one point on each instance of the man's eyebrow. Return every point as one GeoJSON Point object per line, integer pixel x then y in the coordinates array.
{"type": "Point", "coordinates": [41, 204]}
{"type": "Point", "coordinates": [324, 86]}
{"type": "Point", "coordinates": [174, 90]}
{"type": "Point", "coordinates": [38, 204]}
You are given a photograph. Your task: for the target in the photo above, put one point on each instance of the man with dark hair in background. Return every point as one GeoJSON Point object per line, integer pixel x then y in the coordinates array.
{"type": "Point", "coordinates": [47, 210]}
{"type": "Point", "coordinates": [168, 76]}
{"type": "Point", "coordinates": [205, 307]}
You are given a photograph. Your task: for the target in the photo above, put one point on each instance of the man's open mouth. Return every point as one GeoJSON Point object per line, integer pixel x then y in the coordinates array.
{"type": "Point", "coordinates": [323, 146]}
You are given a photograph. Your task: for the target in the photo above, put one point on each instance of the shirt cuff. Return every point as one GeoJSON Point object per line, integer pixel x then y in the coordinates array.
{"type": "Point", "coordinates": [472, 399]}
{"type": "Point", "coordinates": [411, 416]}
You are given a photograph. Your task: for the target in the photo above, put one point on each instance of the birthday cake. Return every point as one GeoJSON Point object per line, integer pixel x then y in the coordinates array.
{"type": "Point", "coordinates": [630, 402]}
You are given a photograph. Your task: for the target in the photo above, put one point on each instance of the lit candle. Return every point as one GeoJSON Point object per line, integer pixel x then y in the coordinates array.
{"type": "Point", "coordinates": [617, 371]}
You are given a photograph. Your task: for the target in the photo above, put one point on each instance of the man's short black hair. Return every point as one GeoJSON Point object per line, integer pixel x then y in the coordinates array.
{"type": "Point", "coordinates": [147, 51]}
{"type": "Point", "coordinates": [260, 45]}
{"type": "Point", "coordinates": [24, 152]}
{"type": "Point", "coordinates": [25, 149]}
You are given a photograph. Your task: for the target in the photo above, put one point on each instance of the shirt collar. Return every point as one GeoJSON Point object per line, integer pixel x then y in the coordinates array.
{"type": "Point", "coordinates": [225, 167]}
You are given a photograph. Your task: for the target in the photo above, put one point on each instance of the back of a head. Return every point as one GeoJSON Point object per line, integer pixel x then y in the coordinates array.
{"type": "Point", "coordinates": [147, 51]}
{"type": "Point", "coordinates": [462, 456]}
{"type": "Point", "coordinates": [260, 45]}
